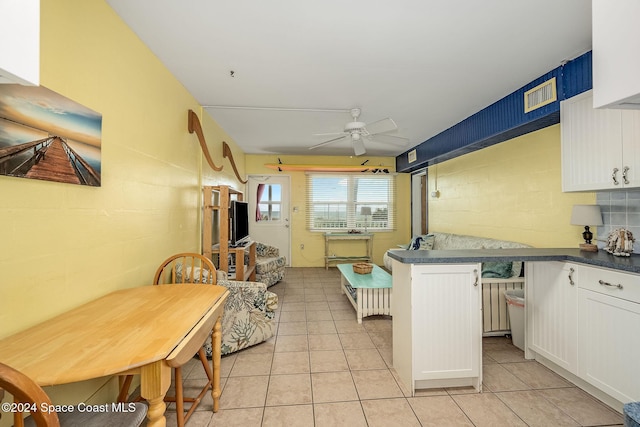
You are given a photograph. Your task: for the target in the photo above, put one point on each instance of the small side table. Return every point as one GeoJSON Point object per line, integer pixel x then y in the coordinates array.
{"type": "Point", "coordinates": [330, 237]}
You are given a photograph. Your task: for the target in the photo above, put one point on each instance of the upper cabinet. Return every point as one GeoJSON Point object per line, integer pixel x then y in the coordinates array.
{"type": "Point", "coordinates": [616, 43]}
{"type": "Point", "coordinates": [20, 47]}
{"type": "Point", "coordinates": [600, 147]}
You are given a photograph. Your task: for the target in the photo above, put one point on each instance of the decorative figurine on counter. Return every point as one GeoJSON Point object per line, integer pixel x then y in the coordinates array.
{"type": "Point", "coordinates": [620, 242]}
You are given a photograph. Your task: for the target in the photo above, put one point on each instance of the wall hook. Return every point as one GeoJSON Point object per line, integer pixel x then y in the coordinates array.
{"type": "Point", "coordinates": [194, 126]}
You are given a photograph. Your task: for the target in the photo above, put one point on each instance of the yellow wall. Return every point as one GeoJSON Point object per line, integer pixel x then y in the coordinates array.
{"type": "Point", "coordinates": [313, 253]}
{"type": "Point", "coordinates": [509, 191]}
{"type": "Point", "coordinates": [67, 244]}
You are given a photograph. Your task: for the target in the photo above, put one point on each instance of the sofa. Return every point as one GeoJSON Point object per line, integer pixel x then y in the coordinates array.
{"type": "Point", "coordinates": [270, 266]}
{"type": "Point", "coordinates": [447, 241]}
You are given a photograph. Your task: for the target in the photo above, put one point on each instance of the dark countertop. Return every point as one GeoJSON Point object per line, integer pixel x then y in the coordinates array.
{"type": "Point", "coordinates": [462, 256]}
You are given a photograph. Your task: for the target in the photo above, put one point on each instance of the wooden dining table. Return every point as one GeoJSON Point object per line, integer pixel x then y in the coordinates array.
{"type": "Point", "coordinates": [146, 330]}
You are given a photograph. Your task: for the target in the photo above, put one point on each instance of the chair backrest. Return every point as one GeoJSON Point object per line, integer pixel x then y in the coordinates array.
{"type": "Point", "coordinates": [25, 390]}
{"type": "Point", "coordinates": [186, 268]}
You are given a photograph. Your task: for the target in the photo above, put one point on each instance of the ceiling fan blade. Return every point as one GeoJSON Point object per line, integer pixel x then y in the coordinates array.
{"type": "Point", "coordinates": [322, 144]}
{"type": "Point", "coordinates": [389, 139]}
{"type": "Point", "coordinates": [358, 147]}
{"type": "Point", "coordinates": [381, 126]}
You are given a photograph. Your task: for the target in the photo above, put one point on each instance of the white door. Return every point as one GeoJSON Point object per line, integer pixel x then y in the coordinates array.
{"type": "Point", "coordinates": [268, 197]}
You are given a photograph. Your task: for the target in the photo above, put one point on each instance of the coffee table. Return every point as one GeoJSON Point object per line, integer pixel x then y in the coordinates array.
{"type": "Point", "coordinates": [370, 294]}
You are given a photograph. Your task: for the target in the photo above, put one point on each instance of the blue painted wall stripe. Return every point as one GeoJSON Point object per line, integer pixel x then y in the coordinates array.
{"type": "Point", "coordinates": [503, 120]}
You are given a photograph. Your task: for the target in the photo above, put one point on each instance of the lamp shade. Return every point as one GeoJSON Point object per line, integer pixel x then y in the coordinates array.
{"type": "Point", "coordinates": [586, 215]}
{"type": "Point", "coordinates": [365, 210]}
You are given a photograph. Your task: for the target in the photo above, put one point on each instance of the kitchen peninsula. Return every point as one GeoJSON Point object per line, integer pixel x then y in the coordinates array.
{"type": "Point", "coordinates": [580, 310]}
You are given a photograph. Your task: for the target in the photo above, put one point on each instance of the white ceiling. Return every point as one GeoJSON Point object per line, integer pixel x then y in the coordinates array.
{"type": "Point", "coordinates": [427, 64]}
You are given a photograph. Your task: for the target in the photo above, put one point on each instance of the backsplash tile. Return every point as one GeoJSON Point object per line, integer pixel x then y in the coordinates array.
{"type": "Point", "coordinates": [620, 209]}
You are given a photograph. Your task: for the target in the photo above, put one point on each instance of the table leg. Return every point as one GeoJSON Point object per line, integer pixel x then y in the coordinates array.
{"type": "Point", "coordinates": [155, 380]}
{"type": "Point", "coordinates": [216, 341]}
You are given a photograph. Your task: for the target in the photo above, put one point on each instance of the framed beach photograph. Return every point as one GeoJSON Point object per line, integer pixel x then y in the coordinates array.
{"type": "Point", "coordinates": [46, 136]}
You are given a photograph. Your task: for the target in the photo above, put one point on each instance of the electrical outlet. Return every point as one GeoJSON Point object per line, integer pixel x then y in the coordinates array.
{"type": "Point", "coordinates": [301, 246]}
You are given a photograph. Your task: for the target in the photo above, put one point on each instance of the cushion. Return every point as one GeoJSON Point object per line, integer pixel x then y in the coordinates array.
{"type": "Point", "coordinates": [424, 242]}
{"type": "Point", "coordinates": [197, 271]}
{"type": "Point", "coordinates": [427, 242]}
{"type": "Point", "coordinates": [501, 270]}
{"type": "Point", "coordinates": [414, 245]}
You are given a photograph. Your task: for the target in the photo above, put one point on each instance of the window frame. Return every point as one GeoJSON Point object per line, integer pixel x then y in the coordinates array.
{"type": "Point", "coordinates": [268, 201]}
{"type": "Point", "coordinates": [350, 207]}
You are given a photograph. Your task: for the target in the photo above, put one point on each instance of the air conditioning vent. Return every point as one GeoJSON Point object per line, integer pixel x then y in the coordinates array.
{"type": "Point", "coordinates": [540, 95]}
{"type": "Point", "coordinates": [412, 156]}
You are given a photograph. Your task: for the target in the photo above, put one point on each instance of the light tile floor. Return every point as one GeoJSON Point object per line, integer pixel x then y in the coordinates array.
{"type": "Point", "coordinates": [324, 369]}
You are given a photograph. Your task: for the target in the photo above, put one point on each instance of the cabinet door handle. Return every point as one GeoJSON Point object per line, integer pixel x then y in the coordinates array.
{"type": "Point", "coordinates": [624, 174]}
{"type": "Point", "coordinates": [571, 271]}
{"type": "Point", "coordinates": [475, 271]}
{"type": "Point", "coordinates": [603, 283]}
{"type": "Point", "coordinates": [613, 176]}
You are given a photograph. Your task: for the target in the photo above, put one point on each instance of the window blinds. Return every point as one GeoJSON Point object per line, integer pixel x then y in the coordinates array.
{"type": "Point", "coordinates": [335, 202]}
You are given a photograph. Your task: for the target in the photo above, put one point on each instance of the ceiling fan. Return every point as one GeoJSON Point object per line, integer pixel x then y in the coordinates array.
{"type": "Point", "coordinates": [359, 131]}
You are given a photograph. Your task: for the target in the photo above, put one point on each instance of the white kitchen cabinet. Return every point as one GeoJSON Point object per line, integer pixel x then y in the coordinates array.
{"type": "Point", "coordinates": [616, 43]}
{"type": "Point", "coordinates": [609, 321]}
{"type": "Point", "coordinates": [551, 300]}
{"type": "Point", "coordinates": [20, 47]}
{"type": "Point", "coordinates": [437, 325]}
{"type": "Point", "coordinates": [600, 148]}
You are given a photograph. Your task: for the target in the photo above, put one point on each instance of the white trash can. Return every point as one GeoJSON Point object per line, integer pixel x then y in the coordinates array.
{"type": "Point", "coordinates": [515, 305]}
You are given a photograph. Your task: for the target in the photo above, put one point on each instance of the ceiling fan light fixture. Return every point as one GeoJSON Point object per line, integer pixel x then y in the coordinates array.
{"type": "Point", "coordinates": [351, 126]}
{"type": "Point", "coordinates": [358, 147]}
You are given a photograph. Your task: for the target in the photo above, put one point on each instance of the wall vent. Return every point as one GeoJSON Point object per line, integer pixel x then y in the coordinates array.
{"type": "Point", "coordinates": [540, 95]}
{"type": "Point", "coordinates": [412, 156]}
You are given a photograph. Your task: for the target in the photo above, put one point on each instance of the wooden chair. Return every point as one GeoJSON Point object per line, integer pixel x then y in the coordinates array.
{"type": "Point", "coordinates": [186, 268]}
{"type": "Point", "coordinates": [183, 268]}
{"type": "Point", "coordinates": [26, 391]}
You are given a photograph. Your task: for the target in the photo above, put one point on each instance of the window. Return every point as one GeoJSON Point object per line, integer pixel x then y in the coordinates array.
{"type": "Point", "coordinates": [336, 201]}
{"type": "Point", "coordinates": [268, 202]}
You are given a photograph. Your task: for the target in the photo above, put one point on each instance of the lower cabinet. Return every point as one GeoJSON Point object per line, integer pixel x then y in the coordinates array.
{"type": "Point", "coordinates": [552, 314]}
{"type": "Point", "coordinates": [437, 325]}
{"type": "Point", "coordinates": [609, 324]}
{"type": "Point", "coordinates": [586, 320]}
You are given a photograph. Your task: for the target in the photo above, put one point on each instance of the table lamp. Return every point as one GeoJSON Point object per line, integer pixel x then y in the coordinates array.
{"type": "Point", "coordinates": [365, 211]}
{"type": "Point", "coordinates": [586, 215]}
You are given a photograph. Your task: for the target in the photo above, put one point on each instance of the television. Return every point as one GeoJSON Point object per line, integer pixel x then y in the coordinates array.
{"type": "Point", "coordinates": [239, 222]}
